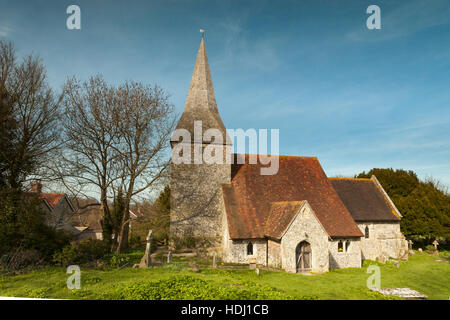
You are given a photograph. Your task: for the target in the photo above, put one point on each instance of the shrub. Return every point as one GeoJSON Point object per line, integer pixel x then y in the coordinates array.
{"type": "Point", "coordinates": [118, 260]}
{"type": "Point", "coordinates": [135, 242]}
{"type": "Point", "coordinates": [81, 252]}
{"type": "Point", "coordinates": [20, 258]}
{"type": "Point", "coordinates": [430, 248]}
{"type": "Point", "coordinates": [22, 225]}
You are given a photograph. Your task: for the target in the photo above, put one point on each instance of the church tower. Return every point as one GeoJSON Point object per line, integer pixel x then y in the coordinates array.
{"type": "Point", "coordinates": [196, 201]}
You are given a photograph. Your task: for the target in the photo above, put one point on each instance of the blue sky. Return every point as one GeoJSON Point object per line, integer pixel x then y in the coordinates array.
{"type": "Point", "coordinates": [353, 97]}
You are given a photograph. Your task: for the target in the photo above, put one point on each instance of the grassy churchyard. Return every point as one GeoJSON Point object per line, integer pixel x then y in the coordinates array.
{"type": "Point", "coordinates": [428, 274]}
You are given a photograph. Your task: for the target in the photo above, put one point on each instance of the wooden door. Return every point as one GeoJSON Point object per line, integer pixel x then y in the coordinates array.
{"type": "Point", "coordinates": [303, 256]}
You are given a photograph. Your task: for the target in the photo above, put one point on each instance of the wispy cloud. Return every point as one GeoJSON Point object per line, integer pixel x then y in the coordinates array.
{"type": "Point", "coordinates": [407, 19]}
{"type": "Point", "coordinates": [240, 50]}
{"type": "Point", "coordinates": [5, 31]}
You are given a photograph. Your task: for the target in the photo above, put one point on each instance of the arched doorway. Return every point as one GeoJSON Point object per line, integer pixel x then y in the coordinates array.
{"type": "Point", "coordinates": [303, 256]}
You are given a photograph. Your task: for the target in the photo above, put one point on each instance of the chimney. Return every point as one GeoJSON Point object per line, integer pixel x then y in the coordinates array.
{"type": "Point", "coordinates": [36, 186]}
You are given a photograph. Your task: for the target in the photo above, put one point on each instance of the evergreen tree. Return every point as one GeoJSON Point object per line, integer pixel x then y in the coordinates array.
{"type": "Point", "coordinates": [424, 205]}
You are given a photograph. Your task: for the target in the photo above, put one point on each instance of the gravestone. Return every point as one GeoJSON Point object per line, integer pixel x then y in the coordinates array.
{"type": "Point", "coordinates": [410, 243]}
{"type": "Point", "coordinates": [252, 264]}
{"type": "Point", "coordinates": [194, 267]}
{"type": "Point", "coordinates": [420, 250]}
{"type": "Point", "coordinates": [257, 271]}
{"type": "Point", "coordinates": [435, 244]}
{"type": "Point", "coordinates": [169, 257]}
{"type": "Point", "coordinates": [146, 260]}
{"type": "Point", "coordinates": [214, 260]}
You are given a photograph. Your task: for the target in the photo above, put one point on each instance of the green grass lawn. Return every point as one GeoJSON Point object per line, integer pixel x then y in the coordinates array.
{"type": "Point", "coordinates": [422, 272]}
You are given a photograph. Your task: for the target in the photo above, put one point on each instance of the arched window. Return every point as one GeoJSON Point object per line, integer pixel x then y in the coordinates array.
{"type": "Point", "coordinates": [340, 246]}
{"type": "Point", "coordinates": [366, 232]}
{"type": "Point", "coordinates": [250, 249]}
{"type": "Point", "coordinates": [347, 245]}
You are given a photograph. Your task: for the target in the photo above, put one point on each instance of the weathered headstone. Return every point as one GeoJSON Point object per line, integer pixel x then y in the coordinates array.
{"type": "Point", "coordinates": [410, 243]}
{"type": "Point", "coordinates": [252, 264]}
{"type": "Point", "coordinates": [435, 244]}
{"type": "Point", "coordinates": [194, 267]}
{"type": "Point", "coordinates": [146, 260]}
{"type": "Point", "coordinates": [214, 260]}
{"type": "Point", "coordinates": [420, 250]}
{"type": "Point", "coordinates": [169, 257]}
{"type": "Point", "coordinates": [257, 271]}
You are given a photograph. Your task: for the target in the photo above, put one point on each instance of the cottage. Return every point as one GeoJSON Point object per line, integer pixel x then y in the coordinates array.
{"type": "Point", "coordinates": [58, 208]}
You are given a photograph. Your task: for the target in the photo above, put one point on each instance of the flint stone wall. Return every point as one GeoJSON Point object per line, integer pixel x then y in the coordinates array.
{"type": "Point", "coordinates": [274, 253]}
{"type": "Point", "coordinates": [385, 240]}
{"type": "Point", "coordinates": [305, 227]}
{"type": "Point", "coordinates": [349, 258]}
{"type": "Point", "coordinates": [196, 198]}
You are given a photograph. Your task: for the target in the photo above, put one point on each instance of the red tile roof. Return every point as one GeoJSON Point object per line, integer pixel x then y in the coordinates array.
{"type": "Point", "coordinates": [52, 198]}
{"type": "Point", "coordinates": [249, 197]}
{"type": "Point", "coordinates": [364, 200]}
{"type": "Point", "coordinates": [280, 216]}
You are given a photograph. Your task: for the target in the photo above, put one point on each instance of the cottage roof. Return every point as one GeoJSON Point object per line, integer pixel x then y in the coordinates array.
{"type": "Point", "coordinates": [52, 198]}
{"type": "Point", "coordinates": [250, 196]}
{"type": "Point", "coordinates": [365, 199]}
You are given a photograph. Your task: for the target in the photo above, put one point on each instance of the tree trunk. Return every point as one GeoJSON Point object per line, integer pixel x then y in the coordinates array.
{"type": "Point", "coordinates": [123, 237]}
{"type": "Point", "coordinates": [106, 215]}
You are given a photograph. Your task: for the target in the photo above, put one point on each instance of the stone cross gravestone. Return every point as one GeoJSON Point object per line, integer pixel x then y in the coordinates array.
{"type": "Point", "coordinates": [146, 260]}
{"type": "Point", "coordinates": [435, 244]}
{"type": "Point", "coordinates": [410, 243]}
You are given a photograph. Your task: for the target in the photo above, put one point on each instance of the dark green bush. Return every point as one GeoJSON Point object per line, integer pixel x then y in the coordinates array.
{"type": "Point", "coordinates": [135, 242]}
{"type": "Point", "coordinates": [81, 252]}
{"type": "Point", "coordinates": [22, 225]}
{"type": "Point", "coordinates": [20, 258]}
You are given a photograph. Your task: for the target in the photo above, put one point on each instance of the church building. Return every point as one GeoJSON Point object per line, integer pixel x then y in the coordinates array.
{"type": "Point", "coordinates": [298, 219]}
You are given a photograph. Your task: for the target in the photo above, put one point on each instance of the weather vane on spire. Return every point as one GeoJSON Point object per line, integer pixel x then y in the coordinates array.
{"type": "Point", "coordinates": [203, 33]}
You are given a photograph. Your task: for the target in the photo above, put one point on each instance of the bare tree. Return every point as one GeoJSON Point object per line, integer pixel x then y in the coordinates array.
{"type": "Point", "coordinates": [145, 122]}
{"type": "Point", "coordinates": [30, 118]}
{"type": "Point", "coordinates": [115, 140]}
{"type": "Point", "coordinates": [88, 163]}
{"type": "Point", "coordinates": [7, 123]}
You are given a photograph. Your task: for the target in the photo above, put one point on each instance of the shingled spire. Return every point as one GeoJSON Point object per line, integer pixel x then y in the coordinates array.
{"type": "Point", "coordinates": [201, 101]}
